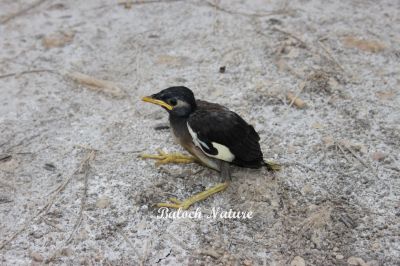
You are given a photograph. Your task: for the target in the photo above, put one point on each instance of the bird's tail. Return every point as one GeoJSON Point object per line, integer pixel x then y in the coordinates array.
{"type": "Point", "coordinates": [272, 166]}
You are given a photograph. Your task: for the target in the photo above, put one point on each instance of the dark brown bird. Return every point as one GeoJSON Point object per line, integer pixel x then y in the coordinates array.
{"type": "Point", "coordinates": [214, 135]}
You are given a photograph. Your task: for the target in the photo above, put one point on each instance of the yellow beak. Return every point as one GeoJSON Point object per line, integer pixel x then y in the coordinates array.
{"type": "Point", "coordinates": [158, 102]}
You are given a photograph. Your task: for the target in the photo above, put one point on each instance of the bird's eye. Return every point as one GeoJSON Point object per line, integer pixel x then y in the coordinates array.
{"type": "Point", "coordinates": [172, 102]}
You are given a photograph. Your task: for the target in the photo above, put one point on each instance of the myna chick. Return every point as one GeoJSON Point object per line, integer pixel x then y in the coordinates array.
{"type": "Point", "coordinates": [214, 135]}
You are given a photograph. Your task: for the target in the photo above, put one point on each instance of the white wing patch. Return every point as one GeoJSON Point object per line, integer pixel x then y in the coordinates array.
{"type": "Point", "coordinates": [196, 140]}
{"type": "Point", "coordinates": [224, 153]}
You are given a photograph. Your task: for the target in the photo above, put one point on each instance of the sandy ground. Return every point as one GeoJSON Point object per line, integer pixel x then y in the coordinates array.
{"type": "Point", "coordinates": [73, 190]}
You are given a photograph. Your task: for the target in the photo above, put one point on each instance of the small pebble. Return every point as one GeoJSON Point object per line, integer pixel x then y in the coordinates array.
{"type": "Point", "coordinates": [298, 261]}
{"type": "Point", "coordinates": [339, 256]}
{"type": "Point", "coordinates": [121, 221]}
{"type": "Point", "coordinates": [66, 252]}
{"type": "Point", "coordinates": [36, 257]}
{"type": "Point", "coordinates": [378, 156]}
{"type": "Point", "coordinates": [103, 202]}
{"type": "Point", "coordinates": [356, 261]}
{"type": "Point", "coordinates": [49, 167]}
{"type": "Point", "coordinates": [247, 263]}
{"type": "Point", "coordinates": [222, 69]}
{"type": "Point", "coordinates": [274, 21]}
{"type": "Point", "coordinates": [161, 126]}
{"type": "Point", "coordinates": [373, 263]}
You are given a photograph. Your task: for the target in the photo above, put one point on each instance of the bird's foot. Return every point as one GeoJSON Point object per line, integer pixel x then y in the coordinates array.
{"type": "Point", "coordinates": [164, 158]}
{"type": "Point", "coordinates": [185, 204]}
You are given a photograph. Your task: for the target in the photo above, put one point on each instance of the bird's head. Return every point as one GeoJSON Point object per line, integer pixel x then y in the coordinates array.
{"type": "Point", "coordinates": [178, 101]}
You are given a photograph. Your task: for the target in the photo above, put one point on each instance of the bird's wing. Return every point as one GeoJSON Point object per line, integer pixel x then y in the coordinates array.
{"type": "Point", "coordinates": [223, 134]}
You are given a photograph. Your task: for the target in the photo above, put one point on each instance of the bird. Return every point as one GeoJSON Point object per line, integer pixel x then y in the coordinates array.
{"type": "Point", "coordinates": [215, 136]}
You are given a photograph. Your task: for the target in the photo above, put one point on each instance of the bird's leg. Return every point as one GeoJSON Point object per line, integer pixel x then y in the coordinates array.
{"type": "Point", "coordinates": [164, 158]}
{"type": "Point", "coordinates": [185, 204]}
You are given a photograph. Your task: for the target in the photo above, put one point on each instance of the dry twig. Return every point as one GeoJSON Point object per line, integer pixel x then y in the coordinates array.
{"type": "Point", "coordinates": [84, 167]}
{"type": "Point", "coordinates": [275, 12]}
{"type": "Point", "coordinates": [210, 252]}
{"type": "Point", "coordinates": [127, 241]}
{"type": "Point", "coordinates": [364, 45]}
{"type": "Point", "coordinates": [331, 57]}
{"type": "Point", "coordinates": [57, 191]}
{"type": "Point", "coordinates": [302, 43]}
{"type": "Point", "coordinates": [145, 252]}
{"type": "Point", "coordinates": [21, 12]}
{"type": "Point", "coordinates": [27, 72]}
{"type": "Point", "coordinates": [358, 158]}
{"type": "Point", "coordinates": [341, 146]}
{"type": "Point", "coordinates": [294, 99]}
{"type": "Point", "coordinates": [342, 150]}
{"type": "Point", "coordinates": [97, 84]}
{"type": "Point", "coordinates": [13, 236]}
{"type": "Point", "coordinates": [301, 88]}
{"type": "Point", "coordinates": [129, 3]}
{"type": "Point", "coordinates": [48, 205]}
{"type": "Point", "coordinates": [51, 224]}
{"type": "Point", "coordinates": [58, 39]}
{"type": "Point", "coordinates": [316, 219]}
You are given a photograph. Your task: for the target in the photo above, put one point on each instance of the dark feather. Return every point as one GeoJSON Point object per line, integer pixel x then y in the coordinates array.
{"type": "Point", "coordinates": [215, 123]}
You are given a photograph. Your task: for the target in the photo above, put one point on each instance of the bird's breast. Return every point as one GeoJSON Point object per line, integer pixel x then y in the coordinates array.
{"type": "Point", "coordinates": [181, 135]}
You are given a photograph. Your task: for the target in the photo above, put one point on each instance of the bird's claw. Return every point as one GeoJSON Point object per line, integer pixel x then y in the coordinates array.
{"type": "Point", "coordinates": [185, 204]}
{"type": "Point", "coordinates": [165, 158]}
{"type": "Point", "coordinates": [177, 204]}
